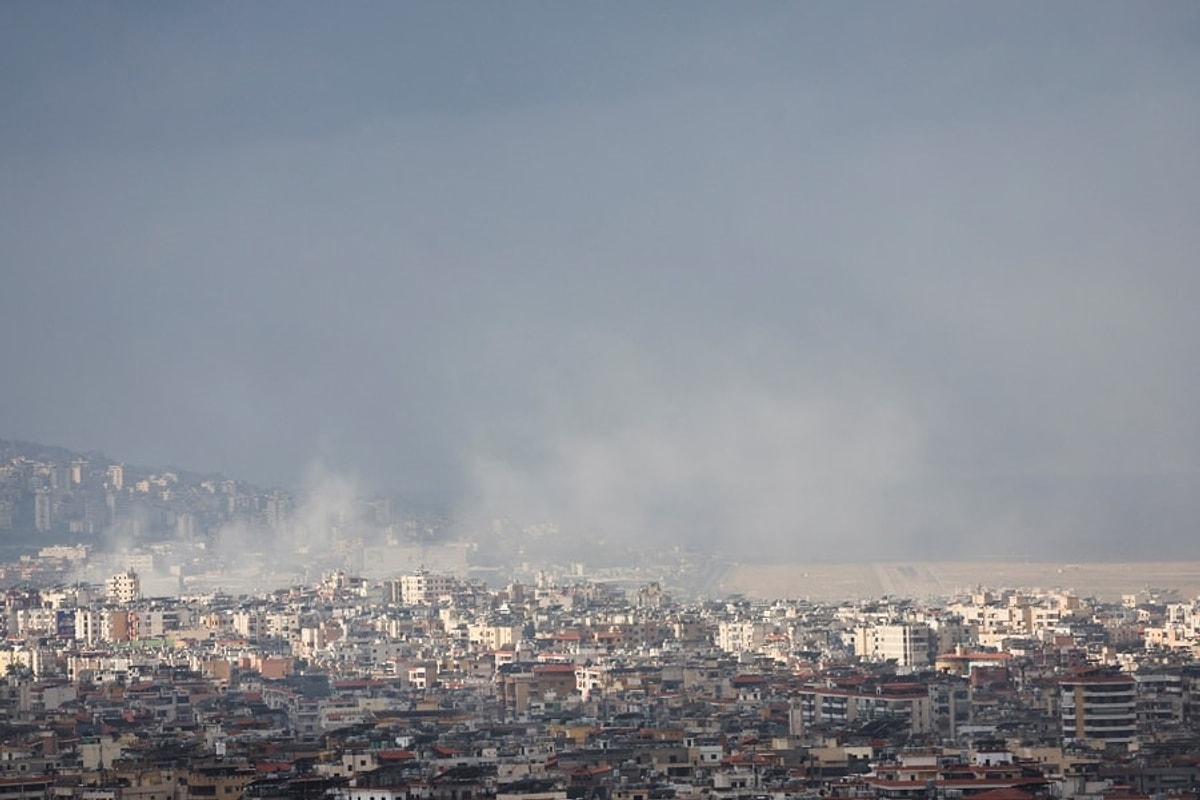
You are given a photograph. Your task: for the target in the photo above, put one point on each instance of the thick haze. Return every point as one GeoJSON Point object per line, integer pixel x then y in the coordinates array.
{"type": "Point", "coordinates": [801, 280]}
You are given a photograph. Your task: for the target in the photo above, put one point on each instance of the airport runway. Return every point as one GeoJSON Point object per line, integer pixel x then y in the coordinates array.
{"type": "Point", "coordinates": [826, 582]}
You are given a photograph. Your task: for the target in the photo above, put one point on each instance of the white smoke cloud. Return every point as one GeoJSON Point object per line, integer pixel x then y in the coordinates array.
{"type": "Point", "coordinates": [759, 471]}
{"type": "Point", "coordinates": [953, 249]}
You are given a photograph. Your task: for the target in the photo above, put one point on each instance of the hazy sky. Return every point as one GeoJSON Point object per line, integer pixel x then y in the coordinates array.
{"type": "Point", "coordinates": [909, 279]}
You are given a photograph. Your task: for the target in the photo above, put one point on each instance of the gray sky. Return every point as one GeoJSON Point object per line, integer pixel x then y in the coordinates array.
{"type": "Point", "coordinates": [916, 278]}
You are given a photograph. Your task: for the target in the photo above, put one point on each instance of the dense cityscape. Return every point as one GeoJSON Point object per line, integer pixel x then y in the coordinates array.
{"type": "Point", "coordinates": [599, 401]}
{"type": "Point", "coordinates": [381, 663]}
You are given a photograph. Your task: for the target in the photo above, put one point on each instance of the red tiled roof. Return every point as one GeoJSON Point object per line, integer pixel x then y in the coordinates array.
{"type": "Point", "coordinates": [273, 766]}
{"type": "Point", "coordinates": [542, 669]}
{"type": "Point", "coordinates": [396, 755]}
{"type": "Point", "coordinates": [1009, 793]}
{"type": "Point", "coordinates": [981, 656]}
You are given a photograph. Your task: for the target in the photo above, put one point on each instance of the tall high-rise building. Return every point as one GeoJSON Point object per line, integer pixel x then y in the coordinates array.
{"type": "Point", "coordinates": [278, 509]}
{"type": "Point", "coordinates": [43, 508]}
{"type": "Point", "coordinates": [185, 526]}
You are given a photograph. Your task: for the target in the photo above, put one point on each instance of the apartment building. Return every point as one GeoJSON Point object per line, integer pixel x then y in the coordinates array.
{"type": "Point", "coordinates": [424, 588]}
{"type": "Point", "coordinates": [1099, 708]}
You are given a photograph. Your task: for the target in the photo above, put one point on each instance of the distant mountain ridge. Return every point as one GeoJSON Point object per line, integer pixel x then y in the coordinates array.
{"type": "Point", "coordinates": [35, 451]}
{"type": "Point", "coordinates": [17, 448]}
{"type": "Point", "coordinates": [51, 494]}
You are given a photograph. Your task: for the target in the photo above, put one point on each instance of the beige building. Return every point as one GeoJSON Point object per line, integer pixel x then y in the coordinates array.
{"type": "Point", "coordinates": [742, 636]}
{"type": "Point", "coordinates": [907, 644]}
{"type": "Point", "coordinates": [124, 587]}
{"type": "Point", "coordinates": [424, 588]}
{"type": "Point", "coordinates": [819, 706]}
{"type": "Point", "coordinates": [1100, 708]}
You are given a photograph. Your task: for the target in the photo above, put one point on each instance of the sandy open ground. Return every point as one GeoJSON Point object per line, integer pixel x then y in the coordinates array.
{"type": "Point", "coordinates": [1107, 581]}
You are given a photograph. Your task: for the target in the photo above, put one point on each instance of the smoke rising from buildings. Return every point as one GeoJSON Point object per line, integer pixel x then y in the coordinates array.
{"type": "Point", "coordinates": [791, 282]}
{"type": "Point", "coordinates": [760, 474]}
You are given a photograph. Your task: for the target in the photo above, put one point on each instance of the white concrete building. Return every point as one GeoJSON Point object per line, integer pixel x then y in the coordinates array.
{"type": "Point", "coordinates": [124, 587]}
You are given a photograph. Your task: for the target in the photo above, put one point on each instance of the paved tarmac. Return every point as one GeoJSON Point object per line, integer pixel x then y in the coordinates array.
{"type": "Point", "coordinates": [833, 582]}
